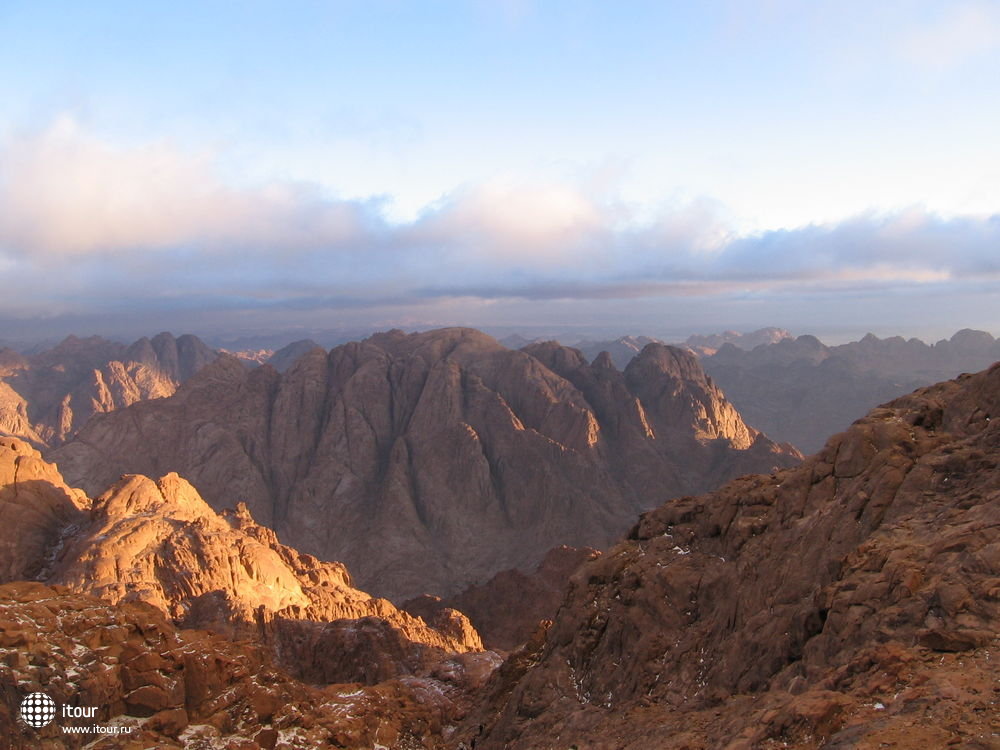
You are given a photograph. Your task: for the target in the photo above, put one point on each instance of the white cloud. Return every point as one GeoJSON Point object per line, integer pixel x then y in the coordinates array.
{"type": "Point", "coordinates": [525, 224]}
{"type": "Point", "coordinates": [84, 224]}
{"type": "Point", "coordinates": [966, 31]}
{"type": "Point", "coordinates": [65, 193]}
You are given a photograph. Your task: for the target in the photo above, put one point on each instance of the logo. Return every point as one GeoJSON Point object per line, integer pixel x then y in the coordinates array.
{"type": "Point", "coordinates": [37, 710]}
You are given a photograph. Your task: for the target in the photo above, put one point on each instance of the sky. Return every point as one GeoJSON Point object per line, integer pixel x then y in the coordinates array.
{"type": "Point", "coordinates": [240, 166]}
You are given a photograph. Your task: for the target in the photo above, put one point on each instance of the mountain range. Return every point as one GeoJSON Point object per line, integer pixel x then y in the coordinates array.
{"type": "Point", "coordinates": [802, 391]}
{"type": "Point", "coordinates": [737, 595]}
{"type": "Point", "coordinates": [462, 457]}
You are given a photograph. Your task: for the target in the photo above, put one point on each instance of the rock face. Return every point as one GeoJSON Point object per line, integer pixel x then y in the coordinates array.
{"type": "Point", "coordinates": [161, 544]}
{"type": "Point", "coordinates": [852, 601]}
{"type": "Point", "coordinates": [47, 397]}
{"type": "Point", "coordinates": [508, 608]}
{"type": "Point", "coordinates": [37, 508]}
{"type": "Point", "coordinates": [190, 689]}
{"type": "Point", "coordinates": [802, 391]}
{"type": "Point", "coordinates": [287, 356]}
{"type": "Point", "coordinates": [428, 462]}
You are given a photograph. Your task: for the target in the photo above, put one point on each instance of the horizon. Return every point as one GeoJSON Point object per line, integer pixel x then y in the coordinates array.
{"type": "Point", "coordinates": [502, 164]}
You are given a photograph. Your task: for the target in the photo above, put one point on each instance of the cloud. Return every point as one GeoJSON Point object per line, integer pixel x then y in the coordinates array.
{"type": "Point", "coordinates": [963, 32]}
{"type": "Point", "coordinates": [63, 193]}
{"type": "Point", "coordinates": [527, 224]}
{"type": "Point", "coordinates": [86, 226]}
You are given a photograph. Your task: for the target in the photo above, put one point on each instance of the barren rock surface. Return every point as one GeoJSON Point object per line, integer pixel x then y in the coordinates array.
{"type": "Point", "coordinates": [507, 609]}
{"type": "Point", "coordinates": [428, 462]}
{"type": "Point", "coordinates": [37, 510]}
{"type": "Point", "coordinates": [47, 397]}
{"type": "Point", "coordinates": [852, 601]}
{"type": "Point", "coordinates": [159, 543]}
{"type": "Point", "coordinates": [190, 689]}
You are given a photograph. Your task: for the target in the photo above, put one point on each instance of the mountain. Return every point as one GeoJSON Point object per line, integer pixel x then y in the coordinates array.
{"type": "Point", "coordinates": [801, 390]}
{"type": "Point", "coordinates": [622, 350]}
{"type": "Point", "coordinates": [852, 601]}
{"type": "Point", "coordinates": [37, 508]}
{"type": "Point", "coordinates": [706, 345]}
{"type": "Point", "coordinates": [46, 397]}
{"type": "Point", "coordinates": [895, 357]}
{"type": "Point", "coordinates": [516, 341]}
{"type": "Point", "coordinates": [287, 356]}
{"type": "Point", "coordinates": [428, 462]}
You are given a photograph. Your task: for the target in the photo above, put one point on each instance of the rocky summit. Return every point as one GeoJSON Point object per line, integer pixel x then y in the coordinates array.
{"type": "Point", "coordinates": [850, 602]}
{"type": "Point", "coordinates": [429, 462]}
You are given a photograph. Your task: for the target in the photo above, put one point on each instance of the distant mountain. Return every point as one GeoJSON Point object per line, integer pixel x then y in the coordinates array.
{"type": "Point", "coordinates": [622, 350]}
{"type": "Point", "coordinates": [46, 397]}
{"type": "Point", "coordinates": [802, 391]}
{"type": "Point", "coordinates": [428, 462]}
{"type": "Point", "coordinates": [517, 341]}
{"type": "Point", "coordinates": [708, 345]}
{"type": "Point", "coordinates": [849, 602]}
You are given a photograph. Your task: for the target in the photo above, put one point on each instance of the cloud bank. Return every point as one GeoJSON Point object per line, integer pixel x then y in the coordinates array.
{"type": "Point", "coordinates": [89, 227]}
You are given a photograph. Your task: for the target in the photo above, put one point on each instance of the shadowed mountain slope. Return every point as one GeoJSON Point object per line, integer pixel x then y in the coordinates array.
{"type": "Point", "coordinates": [802, 391]}
{"type": "Point", "coordinates": [850, 602]}
{"type": "Point", "coordinates": [47, 397]}
{"type": "Point", "coordinates": [428, 462]}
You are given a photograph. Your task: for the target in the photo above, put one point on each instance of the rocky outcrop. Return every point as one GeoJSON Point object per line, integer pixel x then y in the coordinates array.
{"type": "Point", "coordinates": [852, 601]}
{"type": "Point", "coordinates": [507, 609]}
{"type": "Point", "coordinates": [457, 456]}
{"type": "Point", "coordinates": [621, 350]}
{"type": "Point", "coordinates": [38, 509]}
{"type": "Point", "coordinates": [47, 397]}
{"type": "Point", "coordinates": [159, 543]}
{"type": "Point", "coordinates": [190, 689]}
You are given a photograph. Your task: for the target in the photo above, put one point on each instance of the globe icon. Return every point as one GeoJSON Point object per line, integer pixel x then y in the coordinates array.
{"type": "Point", "coordinates": [37, 710]}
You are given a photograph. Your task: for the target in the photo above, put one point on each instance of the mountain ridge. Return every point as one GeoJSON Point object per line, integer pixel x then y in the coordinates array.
{"type": "Point", "coordinates": [438, 444]}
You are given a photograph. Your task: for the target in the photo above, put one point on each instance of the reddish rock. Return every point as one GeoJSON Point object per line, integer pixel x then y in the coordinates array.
{"type": "Point", "coordinates": [38, 510]}
{"type": "Point", "coordinates": [460, 457]}
{"type": "Point", "coordinates": [507, 609]}
{"type": "Point", "coordinates": [47, 397]}
{"type": "Point", "coordinates": [224, 694]}
{"type": "Point", "coordinates": [848, 602]}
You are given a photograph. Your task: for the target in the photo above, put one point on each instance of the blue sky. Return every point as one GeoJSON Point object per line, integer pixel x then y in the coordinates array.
{"type": "Point", "coordinates": [822, 166]}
